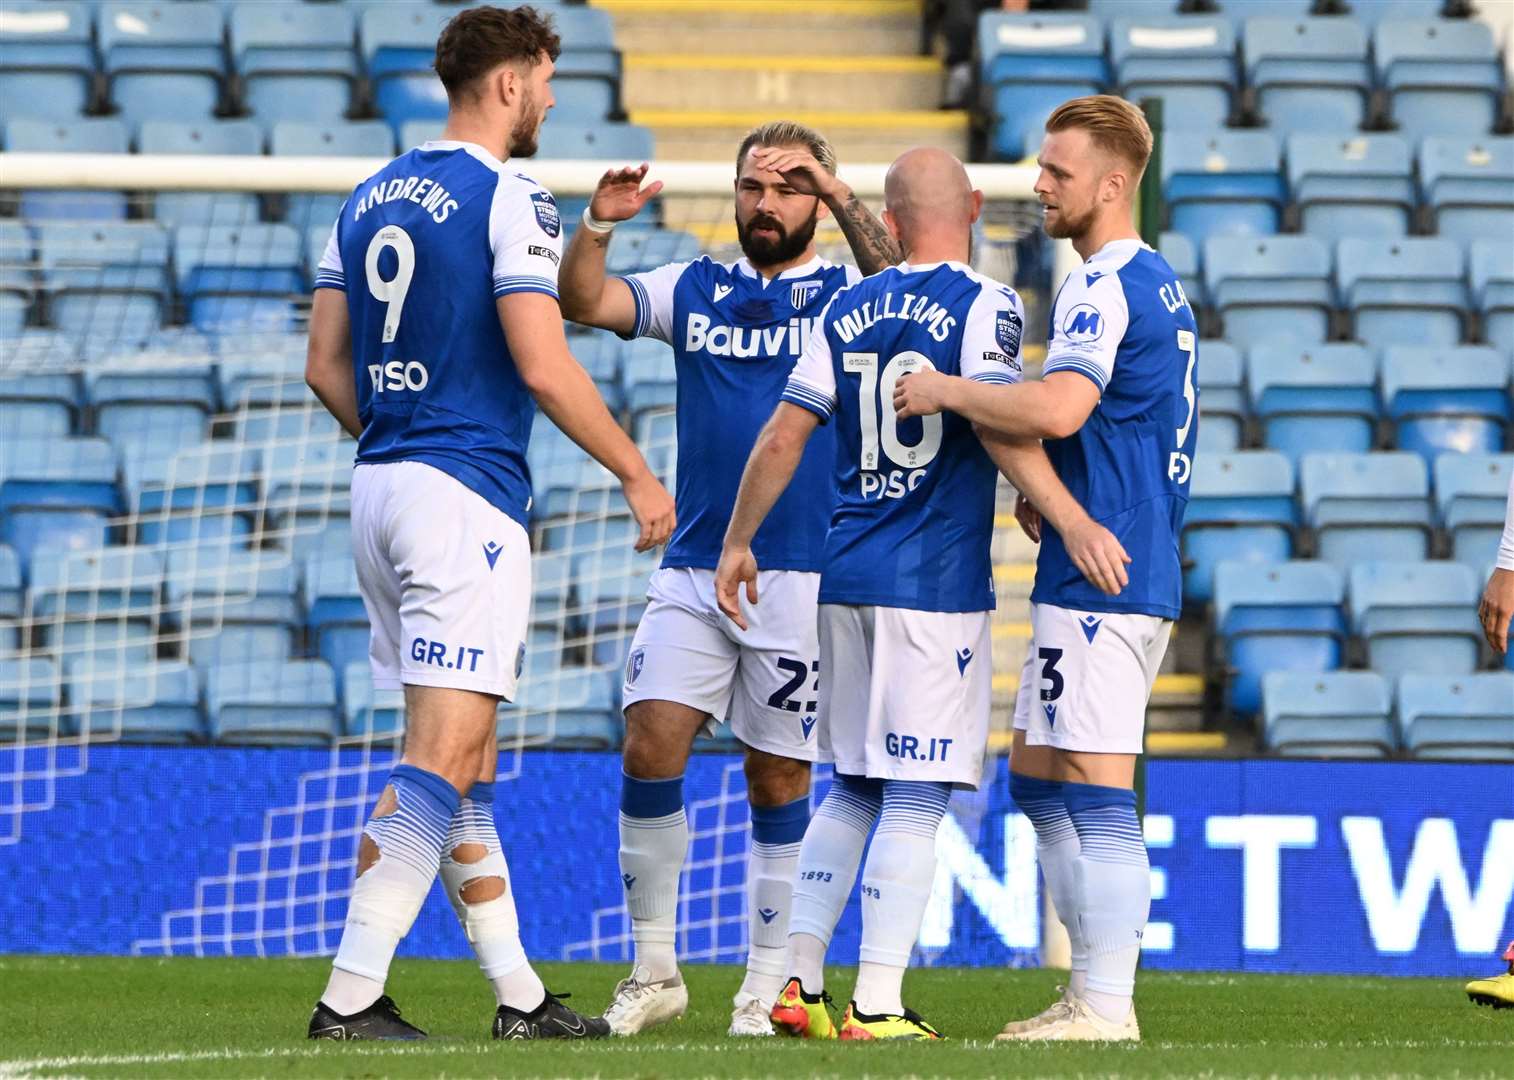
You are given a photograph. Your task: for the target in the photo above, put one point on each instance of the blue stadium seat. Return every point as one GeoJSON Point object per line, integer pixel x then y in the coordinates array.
{"type": "Point", "coordinates": [96, 583]}
{"type": "Point", "coordinates": [586, 77]}
{"type": "Point", "coordinates": [1447, 399]}
{"type": "Point", "coordinates": [163, 61]}
{"type": "Point", "coordinates": [296, 61]}
{"type": "Point", "coordinates": [620, 142]}
{"type": "Point", "coordinates": [613, 585]}
{"type": "Point", "coordinates": [1270, 289]}
{"type": "Point", "coordinates": [1372, 12]}
{"type": "Point", "coordinates": [1222, 182]}
{"type": "Point", "coordinates": [1132, 9]}
{"type": "Point", "coordinates": [37, 349]}
{"type": "Point", "coordinates": [18, 277]}
{"type": "Point", "coordinates": [288, 703]}
{"type": "Point", "coordinates": [1351, 185]}
{"type": "Point", "coordinates": [203, 494]}
{"type": "Point", "coordinates": [1490, 272]}
{"type": "Point", "coordinates": [152, 414]}
{"type": "Point", "coordinates": [1240, 508]}
{"type": "Point", "coordinates": [1416, 616]}
{"type": "Point", "coordinates": [41, 405]}
{"type": "Point", "coordinates": [551, 587]}
{"type": "Point", "coordinates": [570, 708]}
{"type": "Point", "coordinates": [47, 61]}
{"type": "Point", "coordinates": [1443, 76]}
{"type": "Point", "coordinates": [367, 712]}
{"type": "Point", "coordinates": [1284, 617]}
{"type": "Point", "coordinates": [590, 534]}
{"type": "Point", "coordinates": [1222, 397]}
{"type": "Point", "coordinates": [413, 133]}
{"type": "Point", "coordinates": [239, 279]}
{"type": "Point", "coordinates": [1334, 714]}
{"type": "Point", "coordinates": [1446, 717]}
{"type": "Point", "coordinates": [647, 249]}
{"type": "Point", "coordinates": [31, 693]}
{"type": "Point", "coordinates": [233, 605]}
{"type": "Point", "coordinates": [1187, 62]}
{"type": "Point", "coordinates": [57, 494]}
{"type": "Point", "coordinates": [1469, 185]}
{"type": "Point", "coordinates": [1471, 492]}
{"type": "Point", "coordinates": [1316, 398]}
{"type": "Point", "coordinates": [307, 488]}
{"type": "Point", "coordinates": [1031, 64]}
{"type": "Point", "coordinates": [206, 137]}
{"type": "Point", "coordinates": [1409, 291]}
{"type": "Point", "coordinates": [1367, 506]}
{"type": "Point", "coordinates": [599, 353]}
{"type": "Point", "coordinates": [1309, 74]}
{"type": "Point", "coordinates": [649, 375]}
{"type": "Point", "coordinates": [398, 43]}
{"type": "Point", "coordinates": [111, 643]}
{"type": "Point", "coordinates": [1183, 257]}
{"type": "Point", "coordinates": [157, 703]}
{"type": "Point", "coordinates": [353, 138]}
{"type": "Point", "coordinates": [12, 591]}
{"type": "Point", "coordinates": [105, 278]}
{"type": "Point", "coordinates": [266, 372]}
{"type": "Point", "coordinates": [337, 622]}
{"type": "Point", "coordinates": [103, 135]}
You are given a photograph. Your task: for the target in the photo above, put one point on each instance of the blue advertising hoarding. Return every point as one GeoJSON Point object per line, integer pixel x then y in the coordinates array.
{"type": "Point", "coordinates": [1261, 865]}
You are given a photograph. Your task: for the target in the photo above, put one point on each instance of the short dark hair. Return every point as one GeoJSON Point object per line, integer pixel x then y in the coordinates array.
{"type": "Point", "coordinates": [478, 40]}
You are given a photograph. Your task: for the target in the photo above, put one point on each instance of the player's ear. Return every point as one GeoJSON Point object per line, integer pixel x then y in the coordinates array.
{"type": "Point", "coordinates": [891, 223]}
{"type": "Point", "coordinates": [821, 210]}
{"type": "Point", "coordinates": [977, 201]}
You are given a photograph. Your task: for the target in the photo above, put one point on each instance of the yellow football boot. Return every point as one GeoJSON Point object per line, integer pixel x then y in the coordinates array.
{"type": "Point", "coordinates": [1497, 991]}
{"type": "Point", "coordinates": [858, 1027]}
{"type": "Point", "coordinates": [804, 1016]}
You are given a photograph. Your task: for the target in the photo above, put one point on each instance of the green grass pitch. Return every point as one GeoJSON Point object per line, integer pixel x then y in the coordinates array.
{"type": "Point", "coordinates": [90, 1017]}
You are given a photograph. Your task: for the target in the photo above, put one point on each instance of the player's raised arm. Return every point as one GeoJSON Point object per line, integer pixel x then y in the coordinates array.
{"type": "Point", "coordinates": [588, 295]}
{"type": "Point", "coordinates": [533, 329]}
{"type": "Point", "coordinates": [873, 246]}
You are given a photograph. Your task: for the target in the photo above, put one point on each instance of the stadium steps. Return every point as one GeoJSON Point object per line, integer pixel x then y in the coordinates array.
{"type": "Point", "coordinates": [702, 75]}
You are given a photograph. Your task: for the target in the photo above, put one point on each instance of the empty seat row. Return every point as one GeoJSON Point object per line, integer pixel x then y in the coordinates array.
{"type": "Point", "coordinates": [1337, 185]}
{"type": "Point", "coordinates": [1362, 714]}
{"type": "Point", "coordinates": [1306, 74]}
{"type": "Point", "coordinates": [1396, 617]}
{"type": "Point", "coordinates": [1415, 290]}
{"type": "Point", "coordinates": [1336, 397]}
{"type": "Point", "coordinates": [1254, 506]}
{"type": "Point", "coordinates": [190, 60]}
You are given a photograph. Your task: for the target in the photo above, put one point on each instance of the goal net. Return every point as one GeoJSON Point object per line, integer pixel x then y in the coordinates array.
{"type": "Point", "coordinates": [175, 564]}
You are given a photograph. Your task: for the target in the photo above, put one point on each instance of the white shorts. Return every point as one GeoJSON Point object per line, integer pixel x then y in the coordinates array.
{"type": "Point", "coordinates": [1087, 679]}
{"type": "Point", "coordinates": [906, 694]}
{"type": "Point", "coordinates": [763, 680]}
{"type": "Point", "coordinates": [446, 578]}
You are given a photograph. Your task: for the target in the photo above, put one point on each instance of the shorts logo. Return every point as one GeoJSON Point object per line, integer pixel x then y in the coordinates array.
{"type": "Point", "coordinates": [491, 552]}
{"type": "Point", "coordinates": [629, 880]}
{"type": "Point", "coordinates": [634, 665]}
{"type": "Point", "coordinates": [546, 213]}
{"type": "Point", "coordinates": [964, 657]}
{"type": "Point", "coordinates": [802, 292]}
{"type": "Point", "coordinates": [520, 659]}
{"type": "Point", "coordinates": [807, 725]}
{"type": "Point", "coordinates": [1083, 324]}
{"type": "Point", "coordinates": [1051, 715]}
{"type": "Point", "coordinates": [1090, 626]}
{"type": "Point", "coordinates": [768, 915]}
{"type": "Point", "coordinates": [1007, 329]}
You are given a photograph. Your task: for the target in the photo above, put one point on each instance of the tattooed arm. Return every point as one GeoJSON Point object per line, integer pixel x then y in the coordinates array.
{"type": "Point", "coordinates": [873, 246]}
{"type": "Point", "coordinates": [586, 294]}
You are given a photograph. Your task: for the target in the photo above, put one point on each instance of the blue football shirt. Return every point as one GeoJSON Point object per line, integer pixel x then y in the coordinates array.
{"type": "Point", "coordinates": [1122, 321]}
{"type": "Point", "coordinates": [735, 338]}
{"type": "Point", "coordinates": [915, 498]}
{"type": "Point", "coordinates": [431, 241]}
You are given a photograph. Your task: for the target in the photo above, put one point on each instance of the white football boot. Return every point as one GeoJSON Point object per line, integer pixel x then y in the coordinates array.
{"type": "Point", "coordinates": [749, 1019]}
{"type": "Point", "coordinates": [1057, 1010]}
{"type": "Point", "coordinates": [1081, 1024]}
{"type": "Point", "coordinates": [639, 1004]}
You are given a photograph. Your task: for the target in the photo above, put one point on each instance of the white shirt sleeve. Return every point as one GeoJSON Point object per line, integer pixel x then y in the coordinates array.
{"type": "Point", "coordinates": [525, 237]}
{"type": "Point", "coordinates": [1088, 323]}
{"type": "Point", "coordinates": [991, 336]}
{"type": "Point", "coordinates": [329, 273]}
{"type": "Point", "coordinates": [1506, 545]}
{"type": "Point", "coordinates": [652, 290]}
{"type": "Point", "coordinates": [812, 383]}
